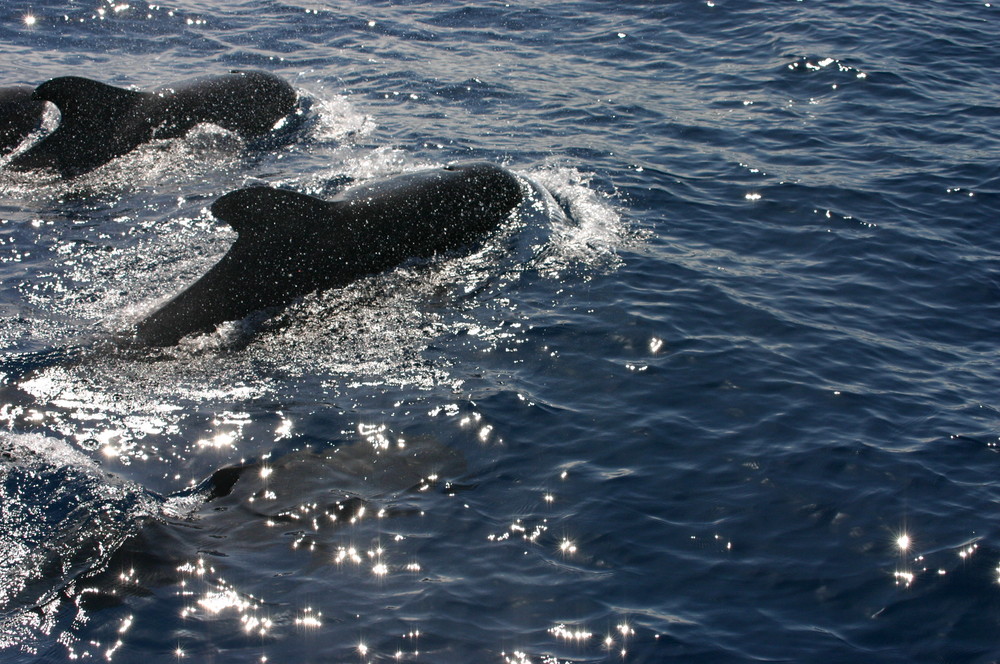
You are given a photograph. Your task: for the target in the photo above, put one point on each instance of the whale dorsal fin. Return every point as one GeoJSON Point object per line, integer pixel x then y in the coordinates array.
{"type": "Point", "coordinates": [255, 209]}
{"type": "Point", "coordinates": [83, 102]}
{"type": "Point", "coordinates": [97, 124]}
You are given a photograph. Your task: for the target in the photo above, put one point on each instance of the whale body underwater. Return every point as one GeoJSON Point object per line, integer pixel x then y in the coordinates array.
{"type": "Point", "coordinates": [290, 244]}
{"type": "Point", "coordinates": [99, 122]}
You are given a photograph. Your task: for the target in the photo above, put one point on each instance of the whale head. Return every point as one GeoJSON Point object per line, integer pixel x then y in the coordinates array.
{"type": "Point", "coordinates": [444, 208]}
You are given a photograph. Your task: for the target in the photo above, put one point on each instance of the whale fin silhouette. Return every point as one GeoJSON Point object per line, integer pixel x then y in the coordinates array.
{"type": "Point", "coordinates": [20, 115]}
{"type": "Point", "coordinates": [83, 102]}
{"type": "Point", "coordinates": [90, 127]}
{"type": "Point", "coordinates": [257, 210]}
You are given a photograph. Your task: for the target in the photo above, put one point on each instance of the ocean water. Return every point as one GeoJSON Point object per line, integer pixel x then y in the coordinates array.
{"type": "Point", "coordinates": [729, 395]}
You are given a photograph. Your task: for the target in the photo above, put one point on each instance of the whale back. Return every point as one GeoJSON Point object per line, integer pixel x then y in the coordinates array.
{"type": "Point", "coordinates": [248, 103]}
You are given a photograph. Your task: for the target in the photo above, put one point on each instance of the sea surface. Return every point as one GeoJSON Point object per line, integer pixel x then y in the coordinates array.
{"type": "Point", "coordinates": [734, 397]}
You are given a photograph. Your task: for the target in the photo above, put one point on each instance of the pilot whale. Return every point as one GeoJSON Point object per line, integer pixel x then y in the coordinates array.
{"type": "Point", "coordinates": [290, 244]}
{"type": "Point", "coordinates": [100, 122]}
{"type": "Point", "coordinates": [20, 114]}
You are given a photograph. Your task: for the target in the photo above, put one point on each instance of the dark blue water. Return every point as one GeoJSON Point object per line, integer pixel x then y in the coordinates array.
{"type": "Point", "coordinates": [737, 404]}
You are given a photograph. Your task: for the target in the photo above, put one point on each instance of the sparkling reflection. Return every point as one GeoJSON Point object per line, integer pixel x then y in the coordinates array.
{"type": "Point", "coordinates": [310, 618]}
{"type": "Point", "coordinates": [968, 551]}
{"type": "Point", "coordinates": [567, 546]}
{"type": "Point", "coordinates": [614, 642]}
{"type": "Point", "coordinates": [570, 633]}
{"type": "Point", "coordinates": [284, 429]}
{"type": "Point", "coordinates": [220, 598]}
{"type": "Point", "coordinates": [904, 578]}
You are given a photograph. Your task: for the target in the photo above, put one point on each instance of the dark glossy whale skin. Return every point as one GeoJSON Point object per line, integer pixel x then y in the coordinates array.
{"type": "Point", "coordinates": [20, 114]}
{"type": "Point", "coordinates": [291, 244]}
{"type": "Point", "coordinates": [100, 122]}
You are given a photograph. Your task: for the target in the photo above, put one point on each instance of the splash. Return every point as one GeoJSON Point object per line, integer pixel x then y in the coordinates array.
{"type": "Point", "coordinates": [61, 518]}
{"type": "Point", "coordinates": [592, 230]}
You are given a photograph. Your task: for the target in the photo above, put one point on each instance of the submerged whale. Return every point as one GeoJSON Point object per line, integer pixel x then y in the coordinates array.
{"type": "Point", "coordinates": [291, 244]}
{"type": "Point", "coordinates": [100, 122]}
{"type": "Point", "coordinates": [20, 114]}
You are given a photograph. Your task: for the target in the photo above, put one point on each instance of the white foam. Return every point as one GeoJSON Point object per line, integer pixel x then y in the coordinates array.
{"type": "Point", "coordinates": [591, 231]}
